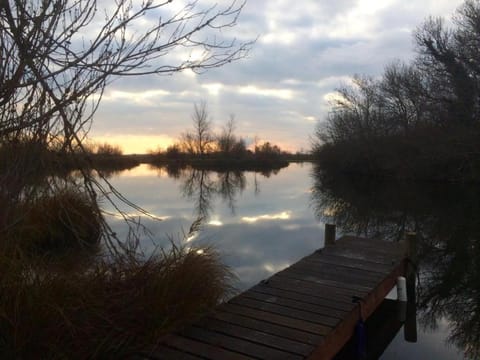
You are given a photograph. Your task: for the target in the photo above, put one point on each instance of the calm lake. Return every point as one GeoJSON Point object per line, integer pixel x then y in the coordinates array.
{"type": "Point", "coordinates": [263, 222]}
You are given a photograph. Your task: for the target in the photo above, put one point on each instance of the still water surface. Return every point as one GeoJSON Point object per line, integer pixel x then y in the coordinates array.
{"type": "Point", "coordinates": [261, 223]}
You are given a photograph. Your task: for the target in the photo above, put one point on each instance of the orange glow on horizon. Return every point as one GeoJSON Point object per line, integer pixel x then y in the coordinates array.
{"type": "Point", "coordinates": [143, 144]}
{"type": "Point", "coordinates": [136, 144]}
{"type": "Point", "coordinates": [283, 145]}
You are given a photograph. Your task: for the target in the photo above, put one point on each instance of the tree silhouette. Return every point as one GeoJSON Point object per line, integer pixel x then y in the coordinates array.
{"type": "Point", "coordinates": [56, 57]}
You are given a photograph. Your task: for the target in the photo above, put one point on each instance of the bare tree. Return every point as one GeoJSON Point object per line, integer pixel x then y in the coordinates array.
{"type": "Point", "coordinates": [357, 113]}
{"type": "Point", "coordinates": [56, 57]}
{"type": "Point", "coordinates": [405, 97]}
{"type": "Point", "coordinates": [226, 140]}
{"type": "Point", "coordinates": [200, 140]}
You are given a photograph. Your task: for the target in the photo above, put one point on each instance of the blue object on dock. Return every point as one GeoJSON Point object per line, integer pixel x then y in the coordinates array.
{"type": "Point", "coordinates": [360, 331]}
{"type": "Point", "coordinates": [361, 340]}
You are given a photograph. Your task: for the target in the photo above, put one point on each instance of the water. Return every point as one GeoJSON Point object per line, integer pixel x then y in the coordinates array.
{"type": "Point", "coordinates": [260, 223]}
{"type": "Point", "coordinates": [263, 223]}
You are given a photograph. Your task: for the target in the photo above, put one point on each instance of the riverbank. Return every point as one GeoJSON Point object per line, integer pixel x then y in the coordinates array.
{"type": "Point", "coordinates": [426, 155]}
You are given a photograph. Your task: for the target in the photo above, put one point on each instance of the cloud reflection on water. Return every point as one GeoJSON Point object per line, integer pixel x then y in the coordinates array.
{"type": "Point", "coordinates": [284, 215]}
{"type": "Point", "coordinates": [246, 217]}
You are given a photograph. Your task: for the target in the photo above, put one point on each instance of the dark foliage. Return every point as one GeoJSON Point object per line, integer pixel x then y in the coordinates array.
{"type": "Point", "coordinates": [419, 120]}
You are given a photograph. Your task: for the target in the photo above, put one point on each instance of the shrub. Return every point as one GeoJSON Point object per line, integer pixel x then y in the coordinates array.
{"type": "Point", "coordinates": [109, 150]}
{"type": "Point", "coordinates": [174, 152]}
{"type": "Point", "coordinates": [55, 223]}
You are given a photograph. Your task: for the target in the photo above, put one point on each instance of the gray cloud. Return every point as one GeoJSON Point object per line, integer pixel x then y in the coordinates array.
{"type": "Point", "coordinates": [304, 51]}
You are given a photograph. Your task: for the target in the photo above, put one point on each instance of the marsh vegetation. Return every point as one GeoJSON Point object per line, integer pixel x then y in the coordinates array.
{"type": "Point", "coordinates": [419, 120]}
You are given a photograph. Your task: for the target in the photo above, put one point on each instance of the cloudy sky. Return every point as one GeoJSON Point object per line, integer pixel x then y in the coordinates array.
{"type": "Point", "coordinates": [305, 49]}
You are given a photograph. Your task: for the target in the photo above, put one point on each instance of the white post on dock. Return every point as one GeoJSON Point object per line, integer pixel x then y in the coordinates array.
{"type": "Point", "coordinates": [401, 299]}
{"type": "Point", "coordinates": [402, 289]}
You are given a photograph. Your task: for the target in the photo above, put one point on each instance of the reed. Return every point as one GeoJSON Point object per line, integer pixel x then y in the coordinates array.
{"type": "Point", "coordinates": [110, 310]}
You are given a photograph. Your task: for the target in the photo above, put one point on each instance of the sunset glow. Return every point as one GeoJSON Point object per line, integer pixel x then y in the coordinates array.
{"type": "Point", "coordinates": [136, 144]}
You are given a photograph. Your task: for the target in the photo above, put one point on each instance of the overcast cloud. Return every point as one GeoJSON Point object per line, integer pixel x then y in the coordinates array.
{"type": "Point", "coordinates": [305, 49]}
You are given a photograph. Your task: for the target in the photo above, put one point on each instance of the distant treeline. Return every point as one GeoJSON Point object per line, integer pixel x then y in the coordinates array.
{"type": "Point", "coordinates": [419, 120]}
{"type": "Point", "coordinates": [201, 147]}
{"type": "Point", "coordinates": [107, 158]}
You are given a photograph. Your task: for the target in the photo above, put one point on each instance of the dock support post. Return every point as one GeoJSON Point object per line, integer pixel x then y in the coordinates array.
{"type": "Point", "coordinates": [411, 240]}
{"type": "Point", "coordinates": [410, 327]}
{"type": "Point", "coordinates": [330, 234]}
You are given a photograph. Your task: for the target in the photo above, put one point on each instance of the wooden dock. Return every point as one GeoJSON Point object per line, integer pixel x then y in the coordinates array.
{"type": "Point", "coordinates": [303, 312]}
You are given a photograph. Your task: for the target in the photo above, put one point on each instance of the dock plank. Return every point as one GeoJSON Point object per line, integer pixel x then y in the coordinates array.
{"type": "Point", "coordinates": [348, 286]}
{"type": "Point", "coordinates": [269, 328]}
{"type": "Point", "coordinates": [237, 345]}
{"type": "Point", "coordinates": [164, 352]}
{"type": "Point", "coordinates": [322, 267]}
{"type": "Point", "coordinates": [302, 312]}
{"type": "Point", "coordinates": [202, 349]}
{"type": "Point", "coordinates": [350, 263]}
{"type": "Point", "coordinates": [285, 311]}
{"type": "Point", "coordinates": [342, 296]}
{"type": "Point", "coordinates": [338, 273]}
{"type": "Point", "coordinates": [305, 298]}
{"type": "Point", "coordinates": [295, 304]}
{"type": "Point", "coordinates": [257, 336]}
{"type": "Point", "coordinates": [316, 329]}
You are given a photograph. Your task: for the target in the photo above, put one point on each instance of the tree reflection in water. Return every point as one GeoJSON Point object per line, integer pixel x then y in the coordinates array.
{"type": "Point", "coordinates": [202, 186]}
{"type": "Point", "coordinates": [446, 218]}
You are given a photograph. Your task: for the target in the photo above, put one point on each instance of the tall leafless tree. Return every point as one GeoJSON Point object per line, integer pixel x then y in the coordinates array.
{"type": "Point", "coordinates": [200, 140]}
{"type": "Point", "coordinates": [227, 139]}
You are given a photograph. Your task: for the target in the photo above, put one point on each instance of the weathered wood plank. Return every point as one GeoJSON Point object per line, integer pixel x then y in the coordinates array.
{"type": "Point", "coordinates": [342, 296]}
{"type": "Point", "coordinates": [370, 250]}
{"type": "Point", "coordinates": [316, 264]}
{"type": "Point", "coordinates": [294, 304]}
{"type": "Point", "coordinates": [337, 273]}
{"type": "Point", "coordinates": [349, 262]}
{"type": "Point", "coordinates": [237, 345]}
{"type": "Point", "coordinates": [256, 336]}
{"type": "Point", "coordinates": [305, 298]}
{"type": "Point", "coordinates": [285, 311]}
{"type": "Point", "coordinates": [202, 349]}
{"type": "Point", "coordinates": [348, 287]}
{"type": "Point", "coordinates": [164, 352]}
{"type": "Point", "coordinates": [302, 325]}
{"type": "Point", "coordinates": [270, 328]}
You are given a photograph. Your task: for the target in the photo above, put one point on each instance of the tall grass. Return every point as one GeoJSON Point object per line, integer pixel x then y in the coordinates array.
{"type": "Point", "coordinates": [113, 309]}
{"type": "Point", "coordinates": [54, 222]}
{"type": "Point", "coordinates": [109, 307]}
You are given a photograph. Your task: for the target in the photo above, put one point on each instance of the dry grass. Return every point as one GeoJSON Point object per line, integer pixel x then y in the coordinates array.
{"type": "Point", "coordinates": [59, 299]}
{"type": "Point", "coordinates": [111, 310]}
{"type": "Point", "coordinates": [54, 223]}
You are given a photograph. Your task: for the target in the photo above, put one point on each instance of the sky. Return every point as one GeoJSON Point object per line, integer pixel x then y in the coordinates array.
{"type": "Point", "coordinates": [304, 51]}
